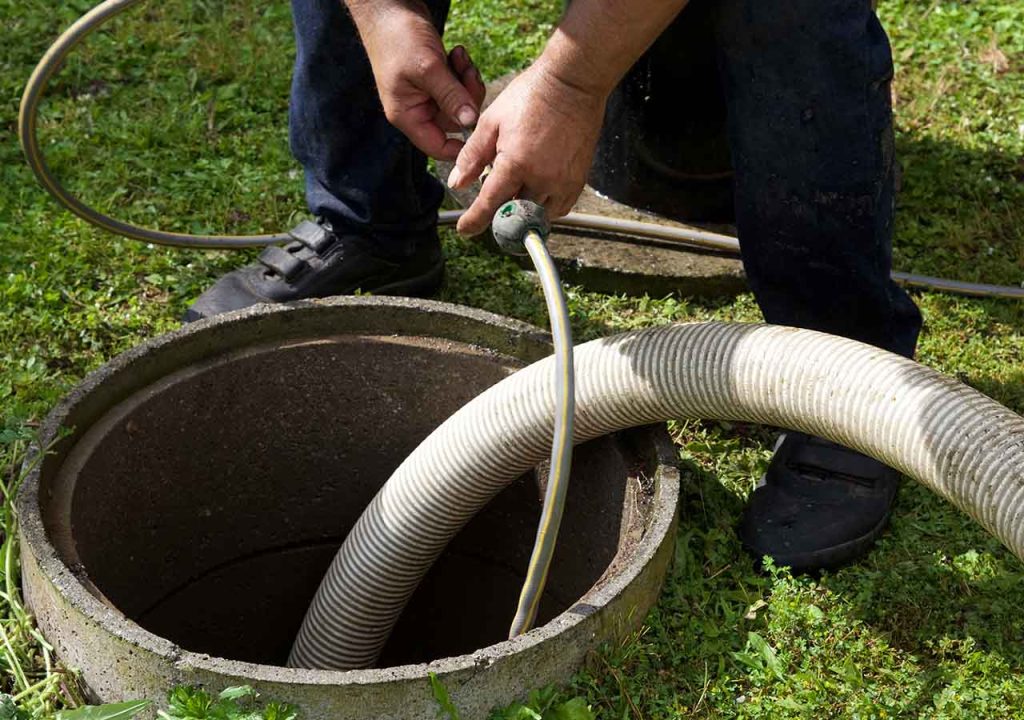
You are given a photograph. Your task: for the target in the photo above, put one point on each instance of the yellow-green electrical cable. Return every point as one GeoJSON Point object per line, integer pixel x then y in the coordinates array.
{"type": "Point", "coordinates": [561, 448]}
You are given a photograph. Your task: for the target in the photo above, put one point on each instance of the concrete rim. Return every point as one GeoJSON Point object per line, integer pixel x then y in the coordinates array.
{"type": "Point", "coordinates": [34, 533]}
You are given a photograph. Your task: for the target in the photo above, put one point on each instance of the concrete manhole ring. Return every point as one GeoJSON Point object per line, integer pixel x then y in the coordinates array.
{"type": "Point", "coordinates": [182, 518]}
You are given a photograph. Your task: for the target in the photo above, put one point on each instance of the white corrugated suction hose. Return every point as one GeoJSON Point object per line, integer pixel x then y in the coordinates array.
{"type": "Point", "coordinates": [961, 444]}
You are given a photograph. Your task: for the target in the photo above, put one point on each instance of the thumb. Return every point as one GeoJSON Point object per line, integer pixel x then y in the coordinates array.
{"type": "Point", "coordinates": [479, 151]}
{"type": "Point", "coordinates": [450, 95]}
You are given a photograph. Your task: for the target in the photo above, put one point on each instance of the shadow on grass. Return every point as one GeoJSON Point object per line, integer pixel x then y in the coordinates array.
{"type": "Point", "coordinates": [960, 212]}
{"type": "Point", "coordinates": [1009, 390]}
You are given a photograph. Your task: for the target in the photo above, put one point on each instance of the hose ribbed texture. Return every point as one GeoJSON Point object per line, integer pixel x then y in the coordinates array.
{"type": "Point", "coordinates": [961, 444]}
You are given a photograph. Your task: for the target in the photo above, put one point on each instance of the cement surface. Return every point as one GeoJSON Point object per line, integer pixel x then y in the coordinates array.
{"type": "Point", "coordinates": [633, 266]}
{"type": "Point", "coordinates": [119, 659]}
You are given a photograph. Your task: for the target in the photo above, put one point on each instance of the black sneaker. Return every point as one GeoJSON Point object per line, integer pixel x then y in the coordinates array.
{"type": "Point", "coordinates": [818, 506]}
{"type": "Point", "coordinates": [321, 263]}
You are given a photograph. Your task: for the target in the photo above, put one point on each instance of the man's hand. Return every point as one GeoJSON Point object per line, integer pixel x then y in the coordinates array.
{"type": "Point", "coordinates": [425, 93]}
{"type": "Point", "coordinates": [541, 132]}
{"type": "Point", "coordinates": [540, 135]}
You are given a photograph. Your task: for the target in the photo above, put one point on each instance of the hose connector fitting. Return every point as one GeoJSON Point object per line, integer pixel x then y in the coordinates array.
{"type": "Point", "coordinates": [514, 220]}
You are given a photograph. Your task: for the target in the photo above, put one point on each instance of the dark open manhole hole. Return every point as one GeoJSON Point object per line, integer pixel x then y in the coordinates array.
{"type": "Point", "coordinates": [204, 491]}
{"type": "Point", "coordinates": [208, 509]}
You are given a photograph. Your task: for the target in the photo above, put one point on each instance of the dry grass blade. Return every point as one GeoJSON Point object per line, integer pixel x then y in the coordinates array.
{"type": "Point", "coordinates": [28, 672]}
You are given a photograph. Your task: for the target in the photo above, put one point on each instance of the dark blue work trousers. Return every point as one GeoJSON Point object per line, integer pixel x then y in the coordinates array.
{"type": "Point", "coordinates": [810, 126]}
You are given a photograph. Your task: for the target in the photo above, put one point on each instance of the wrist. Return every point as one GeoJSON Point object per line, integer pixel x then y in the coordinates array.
{"type": "Point", "coordinates": [374, 16]}
{"type": "Point", "coordinates": [568, 64]}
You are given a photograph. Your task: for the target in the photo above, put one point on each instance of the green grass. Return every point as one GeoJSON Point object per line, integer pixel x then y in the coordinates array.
{"type": "Point", "coordinates": [32, 678]}
{"type": "Point", "coordinates": [176, 118]}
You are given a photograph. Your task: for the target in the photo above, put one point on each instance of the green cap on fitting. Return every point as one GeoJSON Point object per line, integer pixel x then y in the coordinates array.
{"type": "Point", "coordinates": [514, 220]}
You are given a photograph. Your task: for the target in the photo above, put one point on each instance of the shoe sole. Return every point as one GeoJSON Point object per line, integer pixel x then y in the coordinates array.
{"type": "Point", "coordinates": [423, 285]}
{"type": "Point", "coordinates": [827, 558]}
{"type": "Point", "coordinates": [418, 286]}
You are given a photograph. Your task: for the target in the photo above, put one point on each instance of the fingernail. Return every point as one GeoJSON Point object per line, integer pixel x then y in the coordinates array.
{"type": "Point", "coordinates": [466, 116]}
{"type": "Point", "coordinates": [454, 176]}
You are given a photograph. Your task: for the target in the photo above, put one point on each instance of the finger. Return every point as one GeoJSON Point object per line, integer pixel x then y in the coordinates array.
{"type": "Point", "coordinates": [454, 100]}
{"type": "Point", "coordinates": [447, 124]}
{"type": "Point", "coordinates": [501, 185]}
{"type": "Point", "coordinates": [459, 60]}
{"type": "Point", "coordinates": [432, 140]}
{"type": "Point", "coordinates": [560, 207]}
{"type": "Point", "coordinates": [562, 204]}
{"type": "Point", "coordinates": [464, 68]}
{"type": "Point", "coordinates": [542, 199]}
{"type": "Point", "coordinates": [479, 152]}
{"type": "Point", "coordinates": [474, 82]}
{"type": "Point", "coordinates": [444, 122]}
{"type": "Point", "coordinates": [450, 150]}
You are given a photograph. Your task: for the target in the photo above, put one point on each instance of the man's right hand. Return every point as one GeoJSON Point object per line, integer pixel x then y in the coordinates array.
{"type": "Point", "coordinates": [425, 92]}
